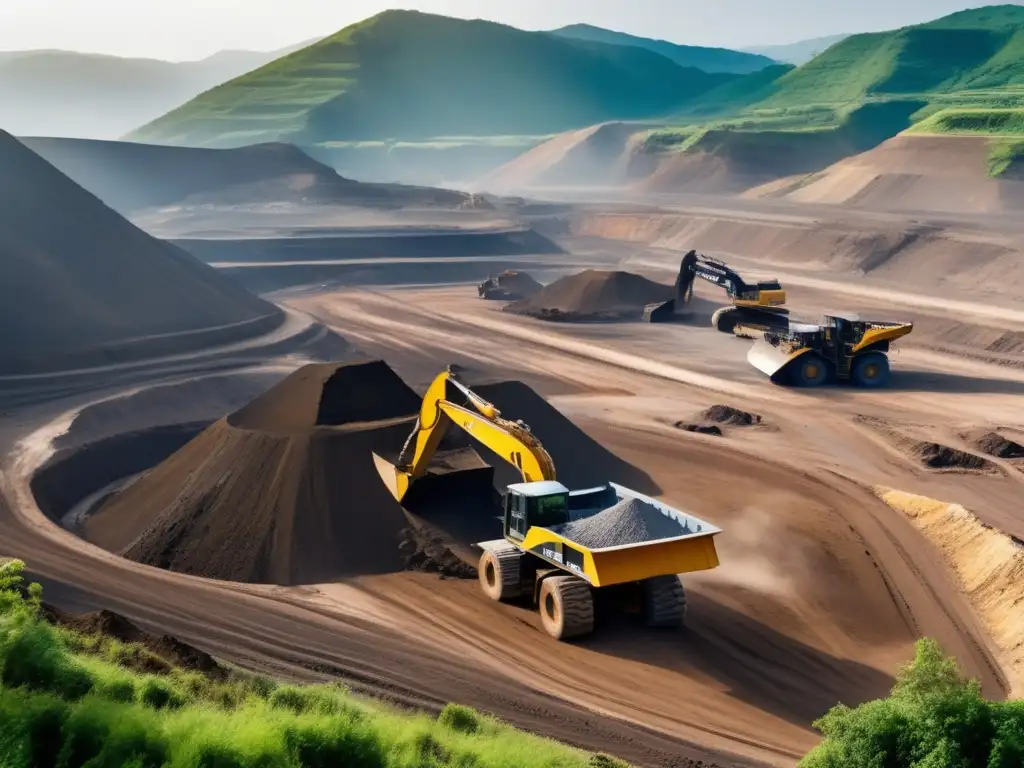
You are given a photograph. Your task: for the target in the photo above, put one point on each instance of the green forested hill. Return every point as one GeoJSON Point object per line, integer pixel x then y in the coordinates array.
{"type": "Point", "coordinates": [409, 75]}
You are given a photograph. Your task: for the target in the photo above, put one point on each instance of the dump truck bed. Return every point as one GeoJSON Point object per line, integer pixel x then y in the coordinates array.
{"type": "Point", "coordinates": [616, 535]}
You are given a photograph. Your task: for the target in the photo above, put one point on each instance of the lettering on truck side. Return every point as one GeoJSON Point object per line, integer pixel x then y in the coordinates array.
{"type": "Point", "coordinates": [551, 554]}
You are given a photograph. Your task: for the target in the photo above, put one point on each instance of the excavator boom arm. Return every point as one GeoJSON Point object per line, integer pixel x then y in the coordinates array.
{"type": "Point", "coordinates": [512, 441]}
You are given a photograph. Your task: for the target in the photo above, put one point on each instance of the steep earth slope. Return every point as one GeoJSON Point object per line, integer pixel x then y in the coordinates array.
{"type": "Point", "coordinates": [912, 172]}
{"type": "Point", "coordinates": [81, 286]}
{"type": "Point", "coordinates": [129, 176]}
{"type": "Point", "coordinates": [701, 57]}
{"type": "Point", "coordinates": [409, 75]}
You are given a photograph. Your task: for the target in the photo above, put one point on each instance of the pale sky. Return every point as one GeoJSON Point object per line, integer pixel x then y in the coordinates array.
{"type": "Point", "coordinates": [191, 29]}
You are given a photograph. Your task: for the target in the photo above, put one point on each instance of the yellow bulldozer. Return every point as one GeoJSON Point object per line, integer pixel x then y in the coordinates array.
{"type": "Point", "coordinates": [560, 546]}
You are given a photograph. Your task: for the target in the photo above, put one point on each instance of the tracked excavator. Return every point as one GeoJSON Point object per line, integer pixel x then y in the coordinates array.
{"type": "Point", "coordinates": [538, 559]}
{"type": "Point", "coordinates": [755, 306]}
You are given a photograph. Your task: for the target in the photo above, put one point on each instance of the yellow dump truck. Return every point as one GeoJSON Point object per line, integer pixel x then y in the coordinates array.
{"type": "Point", "coordinates": [559, 546]}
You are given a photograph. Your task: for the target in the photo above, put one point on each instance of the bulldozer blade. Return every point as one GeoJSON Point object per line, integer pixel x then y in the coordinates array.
{"type": "Point", "coordinates": [397, 482]}
{"type": "Point", "coordinates": [768, 359]}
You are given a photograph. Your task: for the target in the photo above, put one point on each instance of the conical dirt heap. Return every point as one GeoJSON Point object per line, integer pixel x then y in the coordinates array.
{"type": "Point", "coordinates": [594, 295]}
{"type": "Point", "coordinates": [283, 491]}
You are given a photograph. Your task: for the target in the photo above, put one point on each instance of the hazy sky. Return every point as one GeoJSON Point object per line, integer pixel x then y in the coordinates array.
{"type": "Point", "coordinates": [188, 29]}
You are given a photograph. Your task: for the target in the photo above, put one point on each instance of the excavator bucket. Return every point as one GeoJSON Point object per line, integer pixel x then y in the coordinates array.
{"type": "Point", "coordinates": [664, 312]}
{"type": "Point", "coordinates": [397, 482]}
{"type": "Point", "coordinates": [771, 360]}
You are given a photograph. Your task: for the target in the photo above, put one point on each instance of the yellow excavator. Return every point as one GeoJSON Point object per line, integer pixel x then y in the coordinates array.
{"type": "Point", "coordinates": [754, 306]}
{"type": "Point", "coordinates": [559, 546]}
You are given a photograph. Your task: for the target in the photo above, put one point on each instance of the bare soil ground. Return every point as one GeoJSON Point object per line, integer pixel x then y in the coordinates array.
{"type": "Point", "coordinates": [822, 589]}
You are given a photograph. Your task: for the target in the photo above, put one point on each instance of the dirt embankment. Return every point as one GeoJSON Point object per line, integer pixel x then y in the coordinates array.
{"type": "Point", "coordinates": [593, 295]}
{"type": "Point", "coordinates": [130, 177]}
{"type": "Point", "coordinates": [898, 252]}
{"type": "Point", "coordinates": [988, 563]}
{"type": "Point", "coordinates": [84, 287]}
{"type": "Point", "coordinates": [285, 491]}
{"type": "Point", "coordinates": [911, 172]}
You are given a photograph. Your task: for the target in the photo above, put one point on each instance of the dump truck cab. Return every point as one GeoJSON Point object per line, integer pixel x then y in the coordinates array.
{"type": "Point", "coordinates": [543, 503]}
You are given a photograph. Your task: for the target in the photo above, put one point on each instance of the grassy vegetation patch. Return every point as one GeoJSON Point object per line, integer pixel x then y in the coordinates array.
{"type": "Point", "coordinates": [67, 700]}
{"type": "Point", "coordinates": [1005, 156]}
{"type": "Point", "coordinates": [935, 718]}
{"type": "Point", "coordinates": [978, 122]}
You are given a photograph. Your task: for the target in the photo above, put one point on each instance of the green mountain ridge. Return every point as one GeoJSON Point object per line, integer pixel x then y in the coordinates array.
{"type": "Point", "coordinates": [409, 75]}
{"type": "Point", "coordinates": [700, 57]}
{"type": "Point", "coordinates": [970, 50]}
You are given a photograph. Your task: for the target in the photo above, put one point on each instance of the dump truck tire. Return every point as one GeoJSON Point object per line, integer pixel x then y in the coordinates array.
{"type": "Point", "coordinates": [808, 370]}
{"type": "Point", "coordinates": [664, 602]}
{"type": "Point", "coordinates": [500, 573]}
{"type": "Point", "coordinates": [566, 607]}
{"type": "Point", "coordinates": [725, 319]}
{"type": "Point", "coordinates": [870, 370]}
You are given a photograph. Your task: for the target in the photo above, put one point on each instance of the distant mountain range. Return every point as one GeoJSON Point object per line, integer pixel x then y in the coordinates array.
{"type": "Point", "coordinates": [708, 59]}
{"type": "Point", "coordinates": [799, 52]}
{"type": "Point", "coordinates": [405, 75]}
{"type": "Point", "coordinates": [64, 93]}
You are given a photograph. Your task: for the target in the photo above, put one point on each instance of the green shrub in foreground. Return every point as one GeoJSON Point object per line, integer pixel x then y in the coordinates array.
{"type": "Point", "coordinates": [934, 719]}
{"type": "Point", "coordinates": [70, 701]}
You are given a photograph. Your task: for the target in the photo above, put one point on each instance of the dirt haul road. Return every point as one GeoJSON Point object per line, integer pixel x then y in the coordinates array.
{"type": "Point", "coordinates": [821, 592]}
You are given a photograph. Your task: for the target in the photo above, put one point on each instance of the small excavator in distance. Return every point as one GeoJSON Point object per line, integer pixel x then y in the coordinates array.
{"type": "Point", "coordinates": [536, 558]}
{"type": "Point", "coordinates": [757, 306]}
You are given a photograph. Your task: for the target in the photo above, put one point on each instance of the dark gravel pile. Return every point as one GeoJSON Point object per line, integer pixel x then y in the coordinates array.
{"type": "Point", "coordinates": [631, 521]}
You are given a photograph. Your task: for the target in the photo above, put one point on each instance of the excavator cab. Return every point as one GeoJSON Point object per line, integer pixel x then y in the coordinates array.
{"type": "Point", "coordinates": [544, 503]}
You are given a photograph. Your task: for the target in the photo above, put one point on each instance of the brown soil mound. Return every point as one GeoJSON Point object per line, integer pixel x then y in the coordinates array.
{"type": "Point", "coordinates": [940, 456]}
{"type": "Point", "coordinates": [166, 652]}
{"type": "Point", "coordinates": [84, 287]}
{"type": "Point", "coordinates": [510, 285]}
{"type": "Point", "coordinates": [594, 295]}
{"type": "Point", "coordinates": [130, 177]}
{"type": "Point", "coordinates": [285, 490]}
{"type": "Point", "coordinates": [996, 445]}
{"type": "Point", "coordinates": [726, 414]}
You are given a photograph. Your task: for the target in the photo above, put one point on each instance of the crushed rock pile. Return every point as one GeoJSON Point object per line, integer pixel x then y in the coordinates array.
{"type": "Point", "coordinates": [631, 521]}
